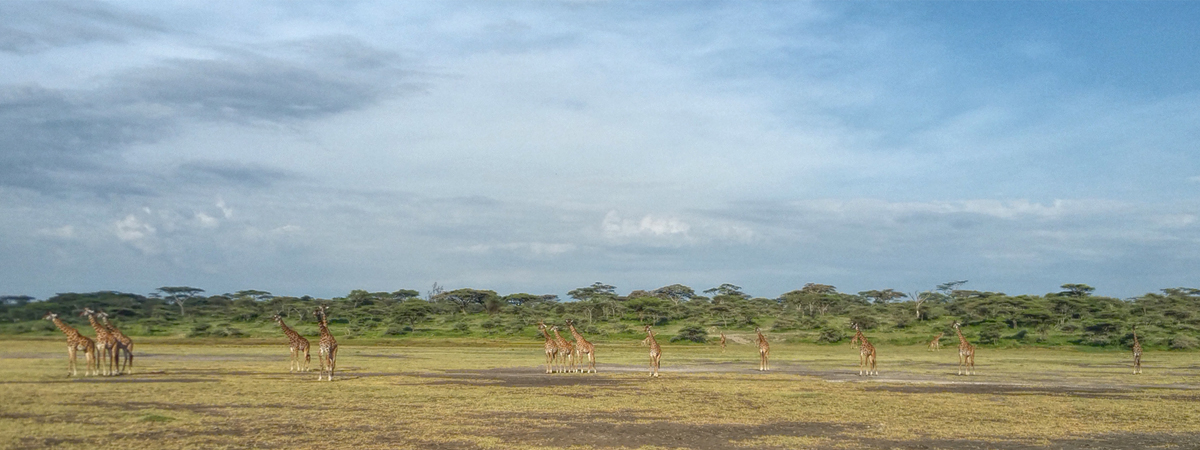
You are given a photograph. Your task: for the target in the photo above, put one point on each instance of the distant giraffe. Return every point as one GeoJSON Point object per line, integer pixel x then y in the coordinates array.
{"type": "Point", "coordinates": [722, 342]}
{"type": "Point", "coordinates": [655, 351]}
{"type": "Point", "coordinates": [328, 345]}
{"type": "Point", "coordinates": [764, 350]}
{"type": "Point", "coordinates": [565, 351]}
{"type": "Point", "coordinates": [297, 344]}
{"type": "Point", "coordinates": [866, 353]}
{"type": "Point", "coordinates": [105, 342]}
{"type": "Point", "coordinates": [551, 348]}
{"type": "Point", "coordinates": [936, 343]}
{"type": "Point", "coordinates": [583, 346]}
{"type": "Point", "coordinates": [76, 342]}
{"type": "Point", "coordinates": [125, 341]}
{"type": "Point", "coordinates": [966, 353]}
{"type": "Point", "coordinates": [1137, 353]}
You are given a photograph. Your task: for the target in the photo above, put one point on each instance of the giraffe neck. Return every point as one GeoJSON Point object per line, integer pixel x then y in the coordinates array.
{"type": "Point", "coordinates": [1135, 340]}
{"type": "Point", "coordinates": [286, 330]}
{"type": "Point", "coordinates": [100, 330]}
{"type": "Point", "coordinates": [547, 335]}
{"type": "Point", "coordinates": [66, 329]}
{"type": "Point", "coordinates": [574, 333]}
{"type": "Point", "coordinates": [961, 339]}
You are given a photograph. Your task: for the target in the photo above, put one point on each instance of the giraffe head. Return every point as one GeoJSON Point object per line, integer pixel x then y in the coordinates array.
{"type": "Point", "coordinates": [277, 318]}
{"type": "Point", "coordinates": [541, 326]}
{"type": "Point", "coordinates": [757, 330]}
{"type": "Point", "coordinates": [102, 315]}
{"type": "Point", "coordinates": [956, 324]}
{"type": "Point", "coordinates": [87, 312]}
{"type": "Point", "coordinates": [647, 329]}
{"type": "Point", "coordinates": [854, 325]}
{"type": "Point", "coordinates": [50, 315]}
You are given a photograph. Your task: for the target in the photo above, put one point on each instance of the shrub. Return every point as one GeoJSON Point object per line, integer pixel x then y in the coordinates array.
{"type": "Point", "coordinates": [831, 336]}
{"type": "Point", "coordinates": [462, 327]}
{"type": "Point", "coordinates": [990, 333]}
{"type": "Point", "coordinates": [395, 330]}
{"type": "Point", "coordinates": [1183, 342]}
{"type": "Point", "coordinates": [785, 323]}
{"type": "Point", "coordinates": [694, 333]}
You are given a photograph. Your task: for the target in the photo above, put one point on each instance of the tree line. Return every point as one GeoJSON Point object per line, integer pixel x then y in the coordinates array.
{"type": "Point", "coordinates": [1168, 318]}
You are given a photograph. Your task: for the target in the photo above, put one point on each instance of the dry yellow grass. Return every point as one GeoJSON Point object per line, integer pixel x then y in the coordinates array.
{"type": "Point", "coordinates": [230, 395]}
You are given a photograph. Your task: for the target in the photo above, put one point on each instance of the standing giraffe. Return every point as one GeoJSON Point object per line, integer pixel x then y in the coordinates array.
{"type": "Point", "coordinates": [583, 346]}
{"type": "Point", "coordinates": [936, 343]}
{"type": "Point", "coordinates": [966, 353]}
{"type": "Point", "coordinates": [328, 345]}
{"type": "Point", "coordinates": [76, 342]}
{"type": "Point", "coordinates": [1137, 353]}
{"type": "Point", "coordinates": [126, 342]}
{"type": "Point", "coordinates": [564, 351]}
{"type": "Point", "coordinates": [551, 348]}
{"type": "Point", "coordinates": [722, 342]}
{"type": "Point", "coordinates": [764, 350]}
{"type": "Point", "coordinates": [298, 345]}
{"type": "Point", "coordinates": [655, 351]}
{"type": "Point", "coordinates": [105, 342]}
{"type": "Point", "coordinates": [866, 353]}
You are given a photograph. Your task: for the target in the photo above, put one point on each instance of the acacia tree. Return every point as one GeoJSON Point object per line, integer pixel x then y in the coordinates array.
{"type": "Point", "coordinates": [178, 295]}
{"type": "Point", "coordinates": [883, 296]}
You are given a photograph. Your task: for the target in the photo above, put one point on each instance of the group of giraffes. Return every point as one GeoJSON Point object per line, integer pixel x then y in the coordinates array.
{"type": "Point", "coordinates": [299, 345]}
{"type": "Point", "coordinates": [561, 355]}
{"type": "Point", "coordinates": [867, 356]}
{"type": "Point", "coordinates": [108, 347]}
{"type": "Point", "coordinates": [567, 356]}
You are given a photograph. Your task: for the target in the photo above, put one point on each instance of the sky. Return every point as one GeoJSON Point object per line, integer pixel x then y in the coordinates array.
{"type": "Point", "coordinates": [314, 148]}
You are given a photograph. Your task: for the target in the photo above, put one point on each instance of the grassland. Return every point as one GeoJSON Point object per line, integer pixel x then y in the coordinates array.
{"type": "Point", "coordinates": [472, 393]}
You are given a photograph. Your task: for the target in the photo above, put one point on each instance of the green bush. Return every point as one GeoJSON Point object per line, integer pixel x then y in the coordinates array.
{"type": "Point", "coordinates": [694, 333]}
{"type": "Point", "coordinates": [1183, 342]}
{"type": "Point", "coordinates": [462, 327]}
{"type": "Point", "coordinates": [396, 330]}
{"type": "Point", "coordinates": [831, 336]}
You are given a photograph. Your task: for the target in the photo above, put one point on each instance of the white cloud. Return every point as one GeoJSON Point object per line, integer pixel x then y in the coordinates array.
{"type": "Point", "coordinates": [649, 225]}
{"type": "Point", "coordinates": [137, 233]}
{"type": "Point", "coordinates": [206, 220]}
{"type": "Point", "coordinates": [63, 232]}
{"type": "Point", "coordinates": [225, 210]}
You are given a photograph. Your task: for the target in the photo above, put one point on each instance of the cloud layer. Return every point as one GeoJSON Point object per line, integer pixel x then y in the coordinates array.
{"type": "Point", "coordinates": [319, 148]}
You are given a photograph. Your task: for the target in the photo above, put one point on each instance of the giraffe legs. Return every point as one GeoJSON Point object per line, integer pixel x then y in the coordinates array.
{"type": "Point", "coordinates": [591, 362]}
{"type": "Point", "coordinates": [1137, 364]}
{"type": "Point", "coordinates": [71, 369]}
{"type": "Point", "coordinates": [307, 359]}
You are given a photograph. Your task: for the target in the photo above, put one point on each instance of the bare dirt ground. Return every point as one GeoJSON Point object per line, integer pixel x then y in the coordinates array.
{"type": "Point", "coordinates": [185, 397]}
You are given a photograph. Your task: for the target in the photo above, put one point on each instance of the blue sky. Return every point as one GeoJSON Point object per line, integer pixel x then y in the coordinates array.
{"type": "Point", "coordinates": [312, 148]}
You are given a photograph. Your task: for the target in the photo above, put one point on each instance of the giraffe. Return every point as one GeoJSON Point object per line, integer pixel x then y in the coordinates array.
{"type": "Point", "coordinates": [76, 342]}
{"type": "Point", "coordinates": [551, 348]}
{"type": "Point", "coordinates": [1137, 353]}
{"type": "Point", "coordinates": [105, 342]}
{"type": "Point", "coordinates": [655, 351]}
{"type": "Point", "coordinates": [764, 350]}
{"type": "Point", "coordinates": [125, 341]}
{"type": "Point", "coordinates": [564, 351]}
{"type": "Point", "coordinates": [583, 346]}
{"type": "Point", "coordinates": [936, 343]}
{"type": "Point", "coordinates": [722, 342]}
{"type": "Point", "coordinates": [854, 340]}
{"type": "Point", "coordinates": [328, 345]}
{"type": "Point", "coordinates": [866, 353]}
{"type": "Point", "coordinates": [298, 345]}
{"type": "Point", "coordinates": [966, 353]}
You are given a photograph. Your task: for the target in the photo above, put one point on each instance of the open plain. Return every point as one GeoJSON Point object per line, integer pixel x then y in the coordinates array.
{"type": "Point", "coordinates": [494, 394]}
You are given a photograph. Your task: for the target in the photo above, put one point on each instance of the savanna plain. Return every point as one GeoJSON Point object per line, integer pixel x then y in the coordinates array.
{"type": "Point", "coordinates": [485, 394]}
